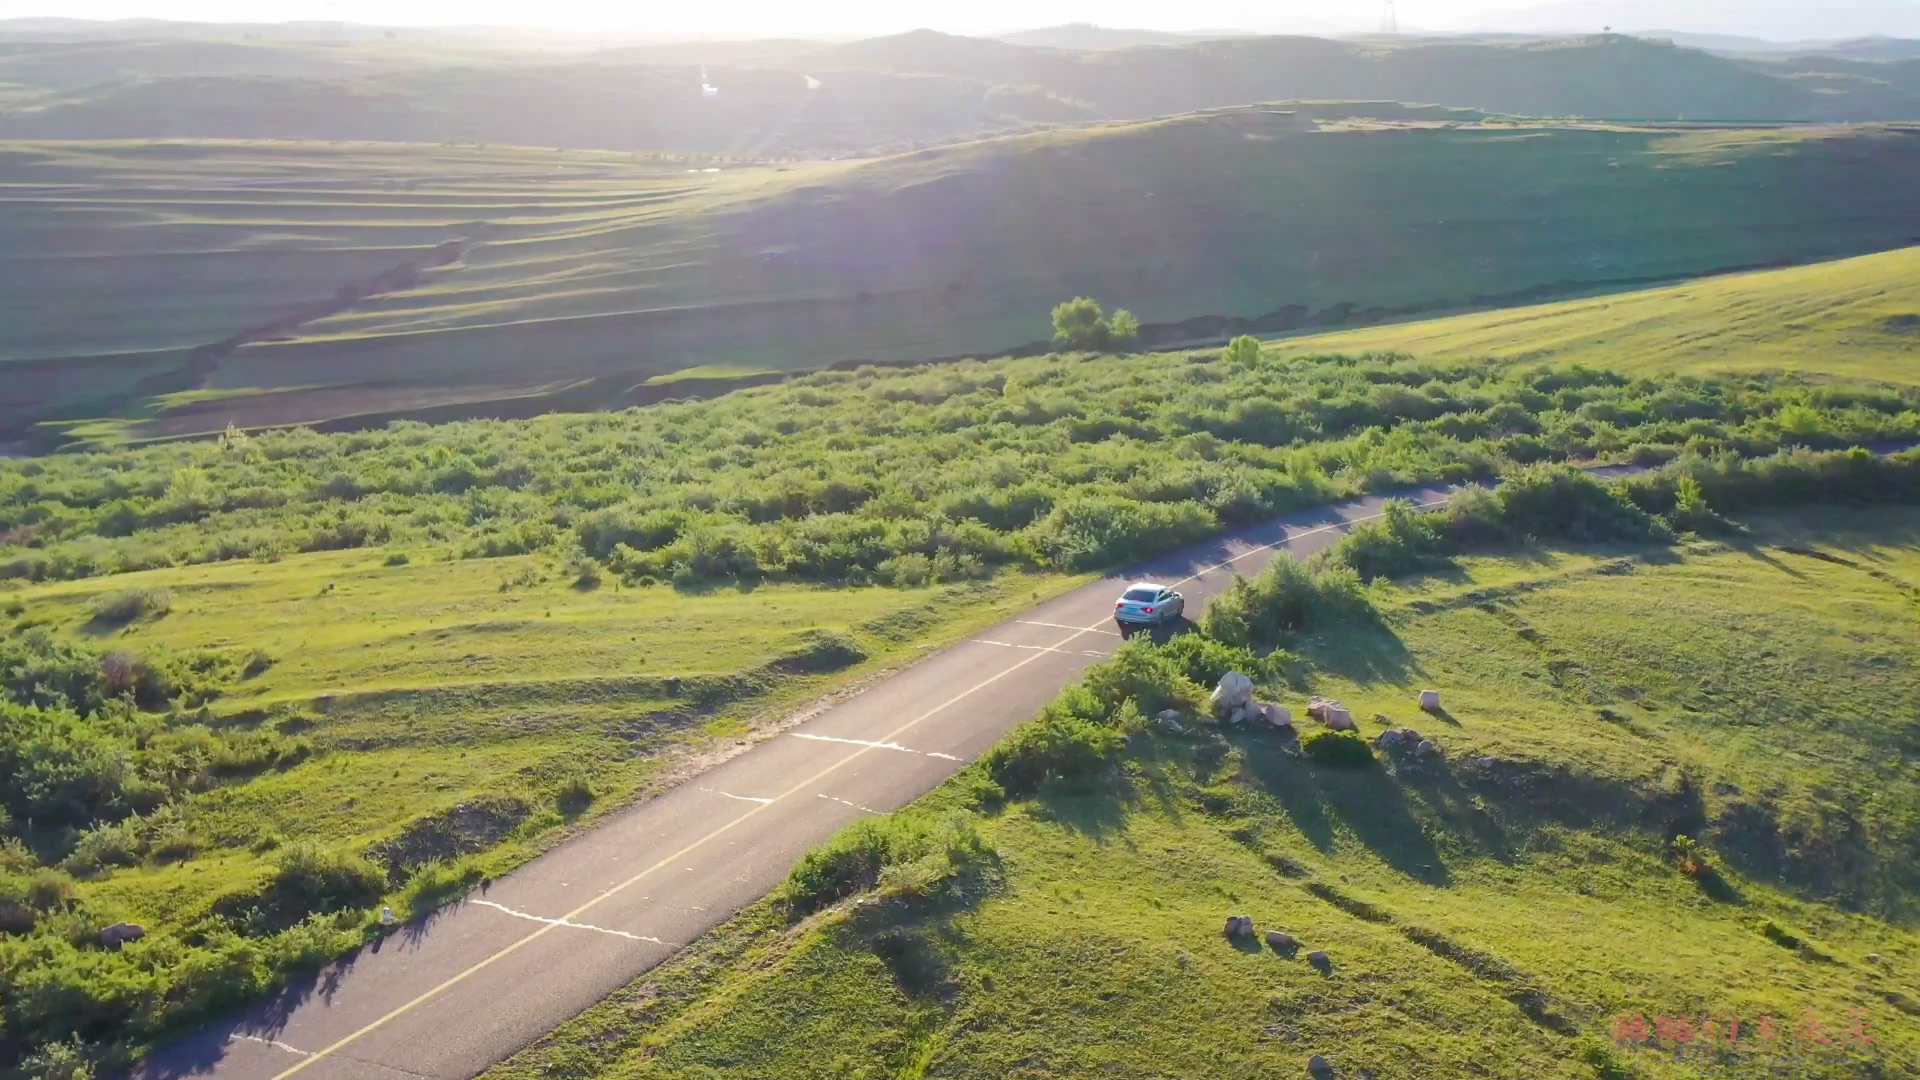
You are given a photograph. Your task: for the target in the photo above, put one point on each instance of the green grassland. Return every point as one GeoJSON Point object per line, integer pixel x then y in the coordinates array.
{"type": "Point", "coordinates": [238, 670]}
{"type": "Point", "coordinates": [1853, 318]}
{"type": "Point", "coordinates": [1487, 915]}
{"type": "Point", "coordinates": [622, 269]}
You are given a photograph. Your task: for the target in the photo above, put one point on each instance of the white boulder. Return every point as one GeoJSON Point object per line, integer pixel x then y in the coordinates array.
{"type": "Point", "coordinates": [1430, 701]}
{"type": "Point", "coordinates": [1234, 692]}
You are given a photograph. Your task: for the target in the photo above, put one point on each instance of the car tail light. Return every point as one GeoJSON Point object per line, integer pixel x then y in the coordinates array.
{"type": "Point", "coordinates": [1120, 604]}
{"type": "Point", "coordinates": [1149, 611]}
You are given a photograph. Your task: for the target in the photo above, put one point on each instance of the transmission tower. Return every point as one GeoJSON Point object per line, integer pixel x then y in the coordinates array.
{"type": "Point", "coordinates": [1390, 19]}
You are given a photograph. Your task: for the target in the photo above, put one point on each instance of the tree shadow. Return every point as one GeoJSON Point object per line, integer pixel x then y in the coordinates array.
{"type": "Point", "coordinates": [1368, 800]}
{"type": "Point", "coordinates": [1093, 809]}
{"type": "Point", "coordinates": [1433, 784]}
{"type": "Point", "coordinates": [1759, 554]}
{"type": "Point", "coordinates": [1367, 655]}
{"type": "Point", "coordinates": [263, 1018]}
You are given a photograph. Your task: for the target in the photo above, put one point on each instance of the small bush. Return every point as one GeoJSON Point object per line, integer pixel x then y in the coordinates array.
{"type": "Point", "coordinates": [906, 854]}
{"type": "Point", "coordinates": [398, 558]}
{"type": "Point", "coordinates": [258, 661]}
{"type": "Point", "coordinates": [1339, 748]}
{"type": "Point", "coordinates": [575, 795]}
{"type": "Point", "coordinates": [308, 880]}
{"type": "Point", "coordinates": [1055, 747]}
{"type": "Point", "coordinates": [57, 1061]}
{"type": "Point", "coordinates": [120, 608]}
{"type": "Point", "coordinates": [435, 883]}
{"type": "Point", "coordinates": [1290, 597]}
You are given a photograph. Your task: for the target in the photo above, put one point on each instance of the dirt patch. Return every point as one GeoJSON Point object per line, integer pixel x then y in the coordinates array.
{"type": "Point", "coordinates": [471, 827]}
{"type": "Point", "coordinates": [1901, 324]}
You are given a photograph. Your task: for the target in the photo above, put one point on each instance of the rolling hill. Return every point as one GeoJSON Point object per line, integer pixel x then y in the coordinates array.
{"type": "Point", "coordinates": [404, 280]}
{"type": "Point", "coordinates": [1856, 318]}
{"type": "Point", "coordinates": [809, 99]}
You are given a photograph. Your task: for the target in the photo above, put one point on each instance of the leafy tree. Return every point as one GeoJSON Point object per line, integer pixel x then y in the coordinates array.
{"type": "Point", "coordinates": [1080, 324]}
{"type": "Point", "coordinates": [1122, 327]}
{"type": "Point", "coordinates": [1243, 351]}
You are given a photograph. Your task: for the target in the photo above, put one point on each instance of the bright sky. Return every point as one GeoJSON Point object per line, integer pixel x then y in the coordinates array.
{"type": "Point", "coordinates": [746, 18]}
{"type": "Point", "coordinates": [1780, 19]}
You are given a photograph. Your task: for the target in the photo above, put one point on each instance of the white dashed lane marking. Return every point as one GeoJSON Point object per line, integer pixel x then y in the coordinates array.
{"type": "Point", "coordinates": [1063, 626]}
{"type": "Point", "coordinates": [855, 805]}
{"type": "Point", "coordinates": [1041, 648]}
{"type": "Point", "coordinates": [275, 1043]}
{"type": "Point", "coordinates": [871, 745]}
{"type": "Point", "coordinates": [570, 923]}
{"type": "Point", "coordinates": [737, 798]}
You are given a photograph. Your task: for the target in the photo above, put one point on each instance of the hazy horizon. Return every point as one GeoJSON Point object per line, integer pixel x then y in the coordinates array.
{"type": "Point", "coordinates": [1776, 19]}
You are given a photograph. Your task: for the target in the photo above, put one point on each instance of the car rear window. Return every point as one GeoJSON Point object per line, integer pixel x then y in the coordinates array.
{"type": "Point", "coordinates": [1141, 596]}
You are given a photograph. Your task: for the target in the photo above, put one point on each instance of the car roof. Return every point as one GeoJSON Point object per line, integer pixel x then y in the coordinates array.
{"type": "Point", "coordinates": [1145, 585]}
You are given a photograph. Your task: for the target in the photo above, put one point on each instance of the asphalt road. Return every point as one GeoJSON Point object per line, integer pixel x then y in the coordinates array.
{"type": "Point", "coordinates": [449, 996]}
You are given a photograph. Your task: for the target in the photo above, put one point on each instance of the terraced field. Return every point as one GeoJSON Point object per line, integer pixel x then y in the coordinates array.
{"type": "Point", "coordinates": [160, 289]}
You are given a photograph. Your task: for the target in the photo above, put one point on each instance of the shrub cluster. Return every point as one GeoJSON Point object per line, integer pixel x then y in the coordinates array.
{"type": "Point", "coordinates": [898, 476]}
{"type": "Point", "coordinates": [904, 854]}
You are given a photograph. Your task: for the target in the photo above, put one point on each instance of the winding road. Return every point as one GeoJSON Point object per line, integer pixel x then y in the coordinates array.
{"type": "Point", "coordinates": [450, 995]}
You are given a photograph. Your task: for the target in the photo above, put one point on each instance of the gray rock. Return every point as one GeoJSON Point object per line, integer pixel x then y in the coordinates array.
{"type": "Point", "coordinates": [1430, 701]}
{"type": "Point", "coordinates": [1426, 748]}
{"type": "Point", "coordinates": [1387, 740]}
{"type": "Point", "coordinates": [1233, 692]}
{"type": "Point", "coordinates": [1319, 1066]}
{"type": "Point", "coordinates": [1239, 926]}
{"type": "Point", "coordinates": [1171, 720]}
{"type": "Point", "coordinates": [1318, 958]}
{"type": "Point", "coordinates": [121, 933]}
{"type": "Point", "coordinates": [1275, 716]}
{"type": "Point", "coordinates": [1280, 939]}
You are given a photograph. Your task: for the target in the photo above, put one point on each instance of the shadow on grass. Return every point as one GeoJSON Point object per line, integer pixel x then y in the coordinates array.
{"type": "Point", "coordinates": [1094, 809]}
{"type": "Point", "coordinates": [1435, 787]}
{"type": "Point", "coordinates": [1367, 654]}
{"type": "Point", "coordinates": [1759, 554]}
{"type": "Point", "coordinates": [1368, 800]}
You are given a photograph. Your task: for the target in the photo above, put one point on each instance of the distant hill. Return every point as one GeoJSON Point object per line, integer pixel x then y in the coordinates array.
{"type": "Point", "coordinates": [167, 271]}
{"type": "Point", "coordinates": [1090, 37]}
{"type": "Point", "coordinates": [883, 95]}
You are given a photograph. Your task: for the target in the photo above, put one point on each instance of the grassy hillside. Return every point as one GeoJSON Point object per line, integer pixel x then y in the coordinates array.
{"type": "Point", "coordinates": [618, 269]}
{"type": "Point", "coordinates": [1503, 909]}
{"type": "Point", "coordinates": [253, 687]}
{"type": "Point", "coordinates": [1857, 318]}
{"type": "Point", "coordinates": [880, 95]}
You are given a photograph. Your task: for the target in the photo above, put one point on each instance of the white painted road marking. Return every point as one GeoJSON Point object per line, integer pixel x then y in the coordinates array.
{"type": "Point", "coordinates": [1062, 626]}
{"type": "Point", "coordinates": [564, 921]}
{"type": "Point", "coordinates": [275, 1043]}
{"type": "Point", "coordinates": [844, 802]}
{"type": "Point", "coordinates": [1041, 648]}
{"type": "Point", "coordinates": [852, 742]}
{"type": "Point", "coordinates": [731, 795]}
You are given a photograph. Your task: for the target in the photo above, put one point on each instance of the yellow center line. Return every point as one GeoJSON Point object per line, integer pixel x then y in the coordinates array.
{"type": "Point", "coordinates": [453, 980]}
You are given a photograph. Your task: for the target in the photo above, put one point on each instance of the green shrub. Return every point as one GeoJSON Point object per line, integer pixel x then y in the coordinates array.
{"type": "Point", "coordinates": [575, 794]}
{"type": "Point", "coordinates": [1290, 597]}
{"type": "Point", "coordinates": [1340, 748]}
{"type": "Point", "coordinates": [907, 853]}
{"type": "Point", "coordinates": [1056, 747]}
{"type": "Point", "coordinates": [1243, 351]}
{"type": "Point", "coordinates": [120, 608]}
{"type": "Point", "coordinates": [307, 880]}
{"type": "Point", "coordinates": [1403, 541]}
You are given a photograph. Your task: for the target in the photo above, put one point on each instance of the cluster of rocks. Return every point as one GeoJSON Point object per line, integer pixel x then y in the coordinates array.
{"type": "Point", "coordinates": [1406, 742]}
{"type": "Point", "coordinates": [1234, 704]}
{"type": "Point", "coordinates": [1240, 927]}
{"type": "Point", "coordinates": [1332, 713]}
